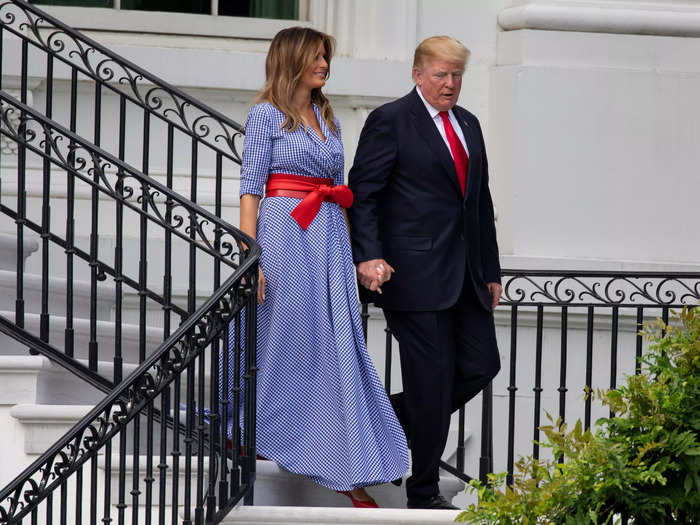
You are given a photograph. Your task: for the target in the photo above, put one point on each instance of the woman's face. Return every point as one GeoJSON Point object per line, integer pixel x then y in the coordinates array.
{"type": "Point", "coordinates": [315, 75]}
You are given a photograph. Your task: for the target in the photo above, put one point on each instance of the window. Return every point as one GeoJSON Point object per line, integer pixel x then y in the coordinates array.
{"type": "Point", "coordinates": [278, 9]}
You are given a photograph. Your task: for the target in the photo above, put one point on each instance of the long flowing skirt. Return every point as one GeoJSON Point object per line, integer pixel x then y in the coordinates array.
{"type": "Point", "coordinates": [321, 409]}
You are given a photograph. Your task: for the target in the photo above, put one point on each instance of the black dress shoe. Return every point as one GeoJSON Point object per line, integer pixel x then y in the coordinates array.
{"type": "Point", "coordinates": [436, 502]}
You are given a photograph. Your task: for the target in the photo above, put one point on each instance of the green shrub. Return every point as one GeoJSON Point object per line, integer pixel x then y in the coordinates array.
{"type": "Point", "coordinates": [643, 463]}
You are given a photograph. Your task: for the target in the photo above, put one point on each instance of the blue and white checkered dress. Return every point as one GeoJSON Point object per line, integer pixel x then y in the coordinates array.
{"type": "Point", "coordinates": [322, 410]}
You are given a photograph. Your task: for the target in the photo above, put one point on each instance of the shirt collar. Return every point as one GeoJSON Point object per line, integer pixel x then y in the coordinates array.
{"type": "Point", "coordinates": [433, 112]}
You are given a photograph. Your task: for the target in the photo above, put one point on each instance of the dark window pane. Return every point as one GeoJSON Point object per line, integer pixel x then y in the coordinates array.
{"type": "Point", "coordinates": [80, 3]}
{"type": "Point", "coordinates": [284, 9]}
{"type": "Point", "coordinates": [280, 9]}
{"type": "Point", "coordinates": [234, 7]}
{"type": "Point", "coordinates": [175, 6]}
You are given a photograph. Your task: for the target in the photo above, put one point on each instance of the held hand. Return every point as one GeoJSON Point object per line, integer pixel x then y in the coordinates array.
{"type": "Point", "coordinates": [261, 286]}
{"type": "Point", "coordinates": [372, 274]}
{"type": "Point", "coordinates": [495, 290]}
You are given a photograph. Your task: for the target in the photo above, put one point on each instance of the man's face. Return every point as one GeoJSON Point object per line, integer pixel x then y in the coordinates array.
{"type": "Point", "coordinates": [440, 82]}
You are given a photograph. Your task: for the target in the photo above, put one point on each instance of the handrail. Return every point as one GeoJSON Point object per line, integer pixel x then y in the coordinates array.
{"type": "Point", "coordinates": [72, 365]}
{"type": "Point", "coordinates": [107, 68]}
{"type": "Point", "coordinates": [623, 289]}
{"type": "Point", "coordinates": [130, 397]}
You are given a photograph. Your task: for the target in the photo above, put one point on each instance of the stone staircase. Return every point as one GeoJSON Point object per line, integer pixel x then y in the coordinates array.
{"type": "Point", "coordinates": [40, 401]}
{"type": "Point", "coordinates": [31, 387]}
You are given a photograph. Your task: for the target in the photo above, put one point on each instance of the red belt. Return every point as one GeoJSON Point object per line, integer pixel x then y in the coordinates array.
{"type": "Point", "coordinates": [311, 190]}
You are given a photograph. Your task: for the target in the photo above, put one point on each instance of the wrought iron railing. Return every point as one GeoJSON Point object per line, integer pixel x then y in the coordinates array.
{"type": "Point", "coordinates": [561, 334]}
{"type": "Point", "coordinates": [192, 422]}
{"type": "Point", "coordinates": [142, 121]}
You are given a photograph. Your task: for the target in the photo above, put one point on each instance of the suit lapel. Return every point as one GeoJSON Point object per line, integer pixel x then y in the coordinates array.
{"type": "Point", "coordinates": [428, 131]}
{"type": "Point", "coordinates": [472, 145]}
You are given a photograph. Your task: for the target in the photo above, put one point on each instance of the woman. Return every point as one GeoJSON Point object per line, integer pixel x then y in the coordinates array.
{"type": "Point", "coordinates": [322, 411]}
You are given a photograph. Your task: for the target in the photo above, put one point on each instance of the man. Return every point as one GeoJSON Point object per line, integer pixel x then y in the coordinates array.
{"type": "Point", "coordinates": [424, 241]}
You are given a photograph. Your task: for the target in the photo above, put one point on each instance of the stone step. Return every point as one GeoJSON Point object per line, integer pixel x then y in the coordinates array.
{"type": "Point", "coordinates": [33, 379]}
{"type": "Point", "coordinates": [179, 262]}
{"type": "Point", "coordinates": [262, 515]}
{"type": "Point", "coordinates": [19, 378]}
{"type": "Point", "coordinates": [8, 250]}
{"type": "Point", "coordinates": [105, 296]}
{"type": "Point", "coordinates": [44, 424]}
{"type": "Point", "coordinates": [142, 465]}
{"type": "Point", "coordinates": [81, 327]}
{"type": "Point", "coordinates": [275, 486]}
{"type": "Point", "coordinates": [56, 296]}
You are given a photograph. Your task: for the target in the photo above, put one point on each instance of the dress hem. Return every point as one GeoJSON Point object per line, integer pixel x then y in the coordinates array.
{"type": "Point", "coordinates": [329, 484]}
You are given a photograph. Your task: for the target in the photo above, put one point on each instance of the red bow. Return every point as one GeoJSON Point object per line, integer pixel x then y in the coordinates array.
{"type": "Point", "coordinates": [312, 191]}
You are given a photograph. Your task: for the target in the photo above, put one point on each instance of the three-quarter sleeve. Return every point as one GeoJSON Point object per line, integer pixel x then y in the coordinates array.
{"type": "Point", "coordinates": [257, 146]}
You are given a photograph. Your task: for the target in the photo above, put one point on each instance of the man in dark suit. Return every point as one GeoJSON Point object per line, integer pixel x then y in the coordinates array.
{"type": "Point", "coordinates": [424, 241]}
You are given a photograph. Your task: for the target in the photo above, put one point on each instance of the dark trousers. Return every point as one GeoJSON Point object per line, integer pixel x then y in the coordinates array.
{"type": "Point", "coordinates": [447, 357]}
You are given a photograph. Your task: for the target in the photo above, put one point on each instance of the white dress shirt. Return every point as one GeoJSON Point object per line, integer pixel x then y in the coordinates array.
{"type": "Point", "coordinates": [437, 119]}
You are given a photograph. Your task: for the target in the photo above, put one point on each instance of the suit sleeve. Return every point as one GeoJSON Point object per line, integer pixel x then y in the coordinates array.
{"type": "Point", "coordinates": [489, 243]}
{"type": "Point", "coordinates": [370, 174]}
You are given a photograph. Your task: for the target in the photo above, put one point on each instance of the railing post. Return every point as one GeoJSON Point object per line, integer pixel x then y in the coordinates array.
{"type": "Point", "coordinates": [364, 315]}
{"type": "Point", "coordinates": [388, 352]}
{"type": "Point", "coordinates": [251, 386]}
{"type": "Point", "coordinates": [512, 389]}
{"type": "Point", "coordinates": [486, 460]}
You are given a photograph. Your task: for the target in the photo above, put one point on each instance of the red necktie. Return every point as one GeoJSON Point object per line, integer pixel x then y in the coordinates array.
{"type": "Point", "coordinates": [458, 153]}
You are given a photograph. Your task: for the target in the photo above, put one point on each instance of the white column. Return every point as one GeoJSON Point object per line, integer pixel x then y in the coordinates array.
{"type": "Point", "coordinates": [593, 130]}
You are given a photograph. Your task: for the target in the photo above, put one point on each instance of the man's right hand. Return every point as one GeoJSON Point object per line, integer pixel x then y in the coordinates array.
{"type": "Point", "coordinates": [372, 274]}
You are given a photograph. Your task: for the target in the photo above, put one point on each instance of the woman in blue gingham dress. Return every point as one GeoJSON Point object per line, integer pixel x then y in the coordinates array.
{"type": "Point", "coordinates": [322, 411]}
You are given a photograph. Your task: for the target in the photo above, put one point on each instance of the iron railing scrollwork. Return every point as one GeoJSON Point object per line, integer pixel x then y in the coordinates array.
{"type": "Point", "coordinates": [118, 181]}
{"type": "Point", "coordinates": [108, 69]}
{"type": "Point", "coordinates": [170, 416]}
{"type": "Point", "coordinates": [590, 288]}
{"type": "Point", "coordinates": [135, 397]}
{"type": "Point", "coordinates": [561, 334]}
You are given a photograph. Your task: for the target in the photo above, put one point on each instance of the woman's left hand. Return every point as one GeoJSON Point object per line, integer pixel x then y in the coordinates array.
{"type": "Point", "coordinates": [261, 286]}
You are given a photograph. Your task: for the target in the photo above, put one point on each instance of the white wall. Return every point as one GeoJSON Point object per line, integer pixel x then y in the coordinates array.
{"type": "Point", "coordinates": [593, 145]}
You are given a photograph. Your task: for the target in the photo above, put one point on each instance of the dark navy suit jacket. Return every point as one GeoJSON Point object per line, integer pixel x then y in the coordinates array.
{"type": "Point", "coordinates": [409, 209]}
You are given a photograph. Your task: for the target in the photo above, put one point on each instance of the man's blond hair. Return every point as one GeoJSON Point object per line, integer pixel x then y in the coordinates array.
{"type": "Point", "coordinates": [440, 48]}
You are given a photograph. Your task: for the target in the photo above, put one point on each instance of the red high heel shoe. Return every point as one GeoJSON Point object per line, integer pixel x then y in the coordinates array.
{"type": "Point", "coordinates": [360, 504]}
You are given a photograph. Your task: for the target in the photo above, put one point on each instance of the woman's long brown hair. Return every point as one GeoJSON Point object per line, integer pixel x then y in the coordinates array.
{"type": "Point", "coordinates": [291, 52]}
